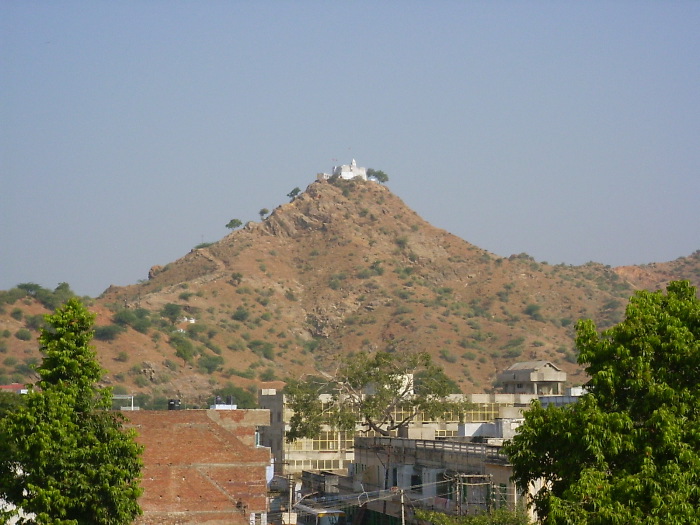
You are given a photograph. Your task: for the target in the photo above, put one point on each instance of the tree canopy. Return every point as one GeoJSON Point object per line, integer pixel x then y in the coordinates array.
{"type": "Point", "coordinates": [629, 450]}
{"type": "Point", "coordinates": [379, 175]}
{"type": "Point", "coordinates": [380, 391]}
{"type": "Point", "coordinates": [497, 517]}
{"type": "Point", "coordinates": [64, 457]}
{"type": "Point", "coordinates": [233, 224]}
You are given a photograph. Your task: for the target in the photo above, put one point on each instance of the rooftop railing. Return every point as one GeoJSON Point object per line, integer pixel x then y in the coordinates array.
{"type": "Point", "coordinates": [480, 450]}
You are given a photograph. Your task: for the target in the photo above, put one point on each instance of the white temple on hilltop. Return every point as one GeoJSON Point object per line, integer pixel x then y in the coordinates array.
{"type": "Point", "coordinates": [346, 171]}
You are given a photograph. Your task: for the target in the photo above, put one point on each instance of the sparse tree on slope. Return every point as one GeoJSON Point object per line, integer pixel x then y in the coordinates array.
{"type": "Point", "coordinates": [64, 456]}
{"type": "Point", "coordinates": [629, 451]}
{"type": "Point", "coordinates": [383, 391]}
{"type": "Point", "coordinates": [379, 175]}
{"type": "Point", "coordinates": [233, 224]}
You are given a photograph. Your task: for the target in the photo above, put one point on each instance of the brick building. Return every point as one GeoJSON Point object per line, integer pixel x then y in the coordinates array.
{"type": "Point", "coordinates": [201, 466]}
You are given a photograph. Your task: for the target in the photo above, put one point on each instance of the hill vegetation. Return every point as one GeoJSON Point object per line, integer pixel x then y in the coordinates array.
{"type": "Point", "coordinates": [345, 266]}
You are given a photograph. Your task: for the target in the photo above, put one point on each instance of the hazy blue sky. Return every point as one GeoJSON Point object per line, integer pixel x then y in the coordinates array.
{"type": "Point", "coordinates": [131, 131]}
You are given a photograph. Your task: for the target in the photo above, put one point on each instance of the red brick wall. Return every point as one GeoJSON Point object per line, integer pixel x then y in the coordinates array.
{"type": "Point", "coordinates": [201, 466]}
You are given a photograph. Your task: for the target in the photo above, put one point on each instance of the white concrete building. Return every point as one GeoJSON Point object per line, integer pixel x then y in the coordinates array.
{"type": "Point", "coordinates": [333, 449]}
{"type": "Point", "coordinates": [346, 172]}
{"type": "Point", "coordinates": [533, 377]}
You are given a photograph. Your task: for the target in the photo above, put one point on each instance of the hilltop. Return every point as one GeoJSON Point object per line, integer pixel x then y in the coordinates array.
{"type": "Point", "coordinates": [344, 266]}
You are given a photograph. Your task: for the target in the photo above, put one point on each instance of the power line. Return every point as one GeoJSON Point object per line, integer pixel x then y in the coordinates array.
{"type": "Point", "coordinates": [357, 500]}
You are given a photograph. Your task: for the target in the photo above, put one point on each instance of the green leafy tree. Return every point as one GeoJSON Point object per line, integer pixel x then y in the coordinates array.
{"type": "Point", "coordinates": [263, 212]}
{"type": "Point", "coordinates": [292, 194]}
{"type": "Point", "coordinates": [184, 349]}
{"type": "Point", "coordinates": [10, 402]}
{"type": "Point", "coordinates": [382, 391]}
{"type": "Point", "coordinates": [64, 456]}
{"type": "Point", "coordinates": [629, 450]}
{"type": "Point", "coordinates": [378, 174]}
{"type": "Point", "coordinates": [241, 397]}
{"type": "Point", "coordinates": [171, 312]}
{"type": "Point", "coordinates": [233, 224]}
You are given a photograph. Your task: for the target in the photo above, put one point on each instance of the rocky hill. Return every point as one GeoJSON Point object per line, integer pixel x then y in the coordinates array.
{"type": "Point", "coordinates": [345, 266]}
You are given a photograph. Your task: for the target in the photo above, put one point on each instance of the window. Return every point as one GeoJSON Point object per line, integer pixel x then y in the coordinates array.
{"type": "Point", "coordinates": [502, 495]}
{"type": "Point", "coordinates": [416, 482]}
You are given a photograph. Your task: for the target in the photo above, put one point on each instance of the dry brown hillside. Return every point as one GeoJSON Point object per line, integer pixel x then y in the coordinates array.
{"type": "Point", "coordinates": [345, 266]}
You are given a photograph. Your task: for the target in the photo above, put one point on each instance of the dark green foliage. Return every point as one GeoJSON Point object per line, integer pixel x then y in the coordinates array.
{"type": "Point", "coordinates": [49, 299]}
{"type": "Point", "coordinates": [246, 374]}
{"type": "Point", "coordinates": [210, 363]}
{"type": "Point", "coordinates": [533, 310]}
{"type": "Point", "coordinates": [64, 456]}
{"type": "Point", "coordinates": [496, 517]}
{"type": "Point", "coordinates": [172, 312]}
{"type": "Point", "coordinates": [292, 194]}
{"type": "Point", "coordinates": [241, 314]}
{"type": "Point", "coordinates": [448, 356]}
{"type": "Point", "coordinates": [401, 241]}
{"type": "Point", "coordinates": [23, 334]}
{"type": "Point", "coordinates": [137, 319]}
{"type": "Point", "coordinates": [425, 380]}
{"type": "Point", "coordinates": [108, 333]}
{"type": "Point", "coordinates": [12, 296]}
{"type": "Point", "coordinates": [629, 451]}
{"type": "Point", "coordinates": [268, 375]}
{"type": "Point", "coordinates": [34, 322]}
{"type": "Point", "coordinates": [311, 345]}
{"type": "Point", "coordinates": [233, 224]}
{"type": "Point", "coordinates": [184, 349]}
{"type": "Point", "coordinates": [379, 175]}
{"type": "Point", "coordinates": [195, 331]}
{"type": "Point", "coordinates": [241, 397]}
{"type": "Point", "coordinates": [262, 348]}
{"type": "Point", "coordinates": [10, 402]}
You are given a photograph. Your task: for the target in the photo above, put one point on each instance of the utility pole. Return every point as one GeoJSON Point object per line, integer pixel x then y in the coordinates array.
{"type": "Point", "coordinates": [459, 494]}
{"type": "Point", "coordinates": [403, 512]}
{"type": "Point", "coordinates": [291, 498]}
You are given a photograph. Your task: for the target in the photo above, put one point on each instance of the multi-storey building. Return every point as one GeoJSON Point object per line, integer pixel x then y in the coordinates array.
{"type": "Point", "coordinates": [333, 449]}
{"type": "Point", "coordinates": [533, 377]}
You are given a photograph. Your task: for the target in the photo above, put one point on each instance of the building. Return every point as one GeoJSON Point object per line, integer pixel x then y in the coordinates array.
{"type": "Point", "coordinates": [202, 466]}
{"type": "Point", "coordinates": [333, 449]}
{"type": "Point", "coordinates": [346, 172]}
{"type": "Point", "coordinates": [533, 377]}
{"type": "Point", "coordinates": [450, 476]}
{"type": "Point", "coordinates": [14, 388]}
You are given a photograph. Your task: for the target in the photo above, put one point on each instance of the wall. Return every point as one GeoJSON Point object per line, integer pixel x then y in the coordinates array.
{"type": "Point", "coordinates": [201, 466]}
